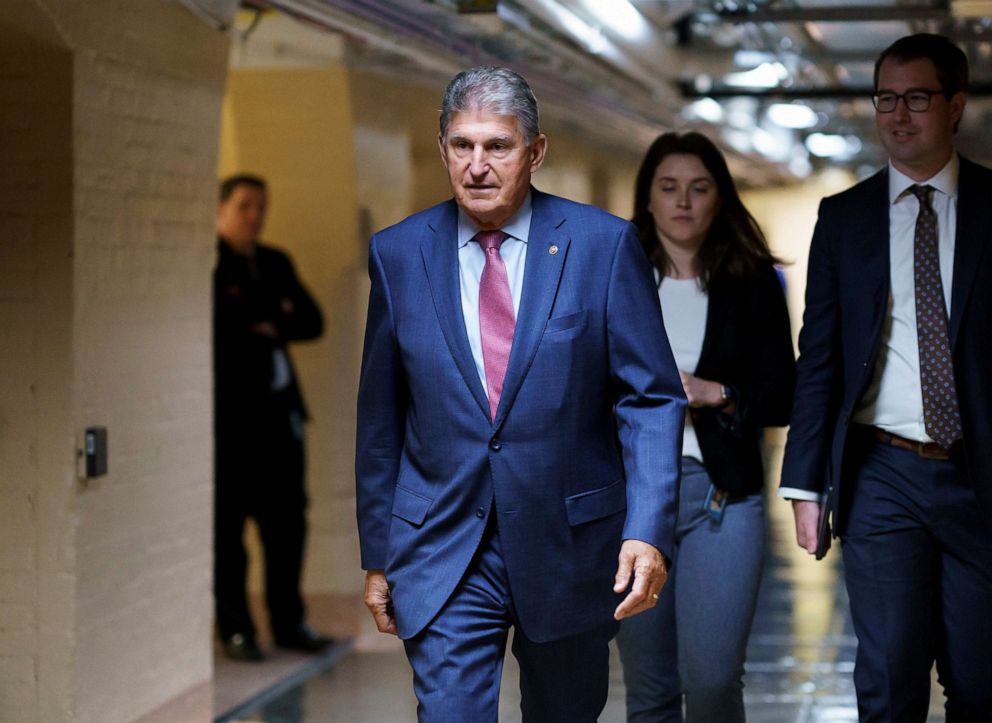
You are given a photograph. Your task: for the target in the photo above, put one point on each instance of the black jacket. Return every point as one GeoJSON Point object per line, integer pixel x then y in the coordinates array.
{"type": "Point", "coordinates": [248, 291]}
{"type": "Point", "coordinates": [847, 296]}
{"type": "Point", "coordinates": [747, 346]}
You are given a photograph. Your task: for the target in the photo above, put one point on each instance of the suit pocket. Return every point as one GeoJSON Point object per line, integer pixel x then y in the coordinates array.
{"type": "Point", "coordinates": [410, 506]}
{"type": "Point", "coordinates": [560, 328]}
{"type": "Point", "coordinates": [592, 505]}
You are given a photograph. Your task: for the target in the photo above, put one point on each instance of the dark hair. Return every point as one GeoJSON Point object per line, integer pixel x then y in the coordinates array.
{"type": "Point", "coordinates": [734, 245]}
{"type": "Point", "coordinates": [499, 90]}
{"type": "Point", "coordinates": [948, 59]}
{"type": "Point", "coordinates": [228, 185]}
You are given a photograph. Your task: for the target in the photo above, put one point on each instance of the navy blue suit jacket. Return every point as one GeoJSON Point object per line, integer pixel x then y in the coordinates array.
{"type": "Point", "coordinates": [847, 291]}
{"type": "Point", "coordinates": [590, 364]}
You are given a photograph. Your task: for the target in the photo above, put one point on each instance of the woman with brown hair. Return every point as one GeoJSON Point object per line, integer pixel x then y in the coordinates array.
{"type": "Point", "coordinates": [728, 326]}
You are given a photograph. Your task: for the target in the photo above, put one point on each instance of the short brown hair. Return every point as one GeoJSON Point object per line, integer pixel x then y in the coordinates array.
{"type": "Point", "coordinates": [228, 185]}
{"type": "Point", "coordinates": [948, 59]}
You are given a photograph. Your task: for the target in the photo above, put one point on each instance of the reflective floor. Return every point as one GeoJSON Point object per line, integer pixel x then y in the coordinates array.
{"type": "Point", "coordinates": [800, 657]}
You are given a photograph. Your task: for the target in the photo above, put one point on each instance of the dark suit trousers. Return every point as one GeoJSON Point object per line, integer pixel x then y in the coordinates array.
{"type": "Point", "coordinates": [918, 563]}
{"type": "Point", "coordinates": [458, 659]}
{"type": "Point", "coordinates": [260, 470]}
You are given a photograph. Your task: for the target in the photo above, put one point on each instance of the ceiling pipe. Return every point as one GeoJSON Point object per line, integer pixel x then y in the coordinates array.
{"type": "Point", "coordinates": [689, 91]}
{"type": "Point", "coordinates": [615, 109]}
{"type": "Point", "coordinates": [831, 14]}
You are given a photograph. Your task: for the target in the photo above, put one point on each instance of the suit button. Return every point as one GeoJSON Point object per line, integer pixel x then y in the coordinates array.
{"type": "Point", "coordinates": [480, 513]}
{"type": "Point", "coordinates": [495, 445]}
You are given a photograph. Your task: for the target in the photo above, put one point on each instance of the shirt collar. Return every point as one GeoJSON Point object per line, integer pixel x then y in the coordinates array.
{"type": "Point", "coordinates": [518, 226]}
{"type": "Point", "coordinates": [945, 181]}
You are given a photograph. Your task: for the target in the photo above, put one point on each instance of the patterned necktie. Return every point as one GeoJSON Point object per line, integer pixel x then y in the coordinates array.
{"type": "Point", "coordinates": [496, 317]}
{"type": "Point", "coordinates": [940, 402]}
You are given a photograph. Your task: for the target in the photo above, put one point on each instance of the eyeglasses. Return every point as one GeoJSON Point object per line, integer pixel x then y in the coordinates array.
{"type": "Point", "coordinates": [916, 101]}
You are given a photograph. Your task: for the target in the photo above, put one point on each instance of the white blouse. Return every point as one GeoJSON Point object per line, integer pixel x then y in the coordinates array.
{"type": "Point", "coordinates": [684, 305]}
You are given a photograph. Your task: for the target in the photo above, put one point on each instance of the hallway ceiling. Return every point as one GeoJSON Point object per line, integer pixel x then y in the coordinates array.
{"type": "Point", "coordinates": [783, 86]}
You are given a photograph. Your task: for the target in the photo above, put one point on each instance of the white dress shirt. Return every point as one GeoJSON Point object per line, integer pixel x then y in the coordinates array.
{"type": "Point", "coordinates": [894, 398]}
{"type": "Point", "coordinates": [684, 305]}
{"type": "Point", "coordinates": [471, 262]}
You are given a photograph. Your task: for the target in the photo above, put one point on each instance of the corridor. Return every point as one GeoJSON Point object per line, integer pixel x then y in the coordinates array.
{"type": "Point", "coordinates": [799, 666]}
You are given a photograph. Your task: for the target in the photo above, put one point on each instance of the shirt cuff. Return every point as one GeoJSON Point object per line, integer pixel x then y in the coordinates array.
{"type": "Point", "coordinates": [794, 493]}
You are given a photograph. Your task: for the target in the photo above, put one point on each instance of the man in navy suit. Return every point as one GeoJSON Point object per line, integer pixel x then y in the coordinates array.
{"type": "Point", "coordinates": [894, 391]}
{"type": "Point", "coordinates": [519, 423]}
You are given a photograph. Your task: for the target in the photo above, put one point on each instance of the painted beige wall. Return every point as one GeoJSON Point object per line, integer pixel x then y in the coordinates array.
{"type": "Point", "coordinates": [787, 215]}
{"type": "Point", "coordinates": [108, 164]}
{"type": "Point", "coordinates": [37, 471]}
{"type": "Point", "coordinates": [293, 126]}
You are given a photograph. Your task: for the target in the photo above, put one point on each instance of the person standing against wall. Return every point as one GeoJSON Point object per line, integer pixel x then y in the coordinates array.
{"type": "Point", "coordinates": [259, 307]}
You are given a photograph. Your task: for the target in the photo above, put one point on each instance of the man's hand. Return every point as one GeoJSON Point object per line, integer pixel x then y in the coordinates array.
{"type": "Point", "coordinates": [265, 328]}
{"type": "Point", "coordinates": [807, 514]}
{"type": "Point", "coordinates": [647, 565]}
{"type": "Point", "coordinates": [379, 602]}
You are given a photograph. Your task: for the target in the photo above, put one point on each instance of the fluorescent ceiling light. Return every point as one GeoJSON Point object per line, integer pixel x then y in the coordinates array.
{"type": "Point", "coordinates": [705, 109]}
{"type": "Point", "coordinates": [740, 117]}
{"type": "Point", "coordinates": [578, 28]}
{"type": "Point", "coordinates": [766, 75]}
{"type": "Point", "coordinates": [792, 115]}
{"type": "Point", "coordinates": [774, 146]}
{"type": "Point", "coordinates": [827, 145]}
{"type": "Point", "coordinates": [764, 142]}
{"type": "Point", "coordinates": [752, 58]}
{"type": "Point", "coordinates": [739, 140]}
{"type": "Point", "coordinates": [619, 16]}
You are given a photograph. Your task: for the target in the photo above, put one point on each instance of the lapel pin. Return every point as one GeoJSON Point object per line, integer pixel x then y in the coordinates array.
{"type": "Point", "coordinates": [553, 250]}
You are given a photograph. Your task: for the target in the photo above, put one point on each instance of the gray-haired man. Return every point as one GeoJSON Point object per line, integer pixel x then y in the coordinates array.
{"type": "Point", "coordinates": [511, 337]}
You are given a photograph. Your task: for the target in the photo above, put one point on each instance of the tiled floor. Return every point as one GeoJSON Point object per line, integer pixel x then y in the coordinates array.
{"type": "Point", "coordinates": [800, 658]}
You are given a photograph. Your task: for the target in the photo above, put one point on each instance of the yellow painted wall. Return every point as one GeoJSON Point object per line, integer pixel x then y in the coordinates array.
{"type": "Point", "coordinates": [787, 216]}
{"type": "Point", "coordinates": [294, 127]}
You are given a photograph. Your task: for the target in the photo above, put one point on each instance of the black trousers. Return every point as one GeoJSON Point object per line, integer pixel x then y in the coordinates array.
{"type": "Point", "coordinates": [260, 474]}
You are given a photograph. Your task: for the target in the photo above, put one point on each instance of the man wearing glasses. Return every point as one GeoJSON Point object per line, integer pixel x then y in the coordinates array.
{"type": "Point", "coordinates": [891, 431]}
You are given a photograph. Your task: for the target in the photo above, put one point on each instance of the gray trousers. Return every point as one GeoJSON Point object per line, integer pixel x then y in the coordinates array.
{"type": "Point", "coordinates": [695, 639]}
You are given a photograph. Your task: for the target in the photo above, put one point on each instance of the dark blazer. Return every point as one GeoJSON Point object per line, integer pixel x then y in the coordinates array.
{"type": "Point", "coordinates": [747, 346]}
{"type": "Point", "coordinates": [847, 294]}
{"type": "Point", "coordinates": [431, 466]}
{"type": "Point", "coordinates": [247, 292]}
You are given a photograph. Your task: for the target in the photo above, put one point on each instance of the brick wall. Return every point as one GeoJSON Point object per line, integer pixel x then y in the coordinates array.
{"type": "Point", "coordinates": [108, 134]}
{"type": "Point", "coordinates": [149, 83]}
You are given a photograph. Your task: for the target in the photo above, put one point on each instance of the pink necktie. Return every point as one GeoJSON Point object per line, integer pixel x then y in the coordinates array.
{"type": "Point", "coordinates": [496, 318]}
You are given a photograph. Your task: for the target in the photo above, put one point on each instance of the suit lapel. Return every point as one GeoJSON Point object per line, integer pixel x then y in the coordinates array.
{"type": "Point", "coordinates": [870, 260]}
{"type": "Point", "coordinates": [974, 227]}
{"type": "Point", "coordinates": [439, 248]}
{"type": "Point", "coordinates": [542, 272]}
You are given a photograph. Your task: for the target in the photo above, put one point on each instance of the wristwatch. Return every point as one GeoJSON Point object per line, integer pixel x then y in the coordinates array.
{"type": "Point", "coordinates": [727, 394]}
